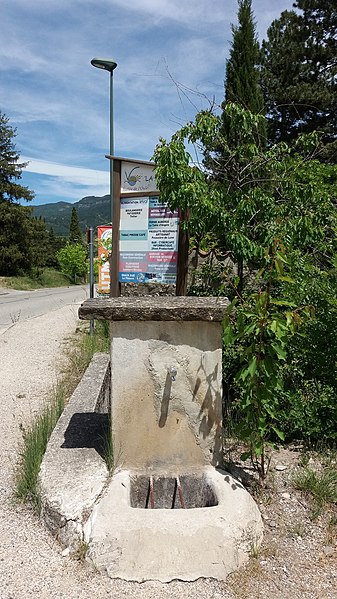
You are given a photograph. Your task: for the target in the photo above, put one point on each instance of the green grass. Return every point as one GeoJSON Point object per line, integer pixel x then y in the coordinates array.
{"type": "Point", "coordinates": [47, 277]}
{"type": "Point", "coordinates": [321, 487]}
{"type": "Point", "coordinates": [35, 440]}
{"type": "Point", "coordinates": [36, 436]}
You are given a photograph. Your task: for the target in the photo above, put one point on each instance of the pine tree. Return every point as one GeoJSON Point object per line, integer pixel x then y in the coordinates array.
{"type": "Point", "coordinates": [75, 235]}
{"type": "Point", "coordinates": [299, 68]}
{"type": "Point", "coordinates": [10, 168]}
{"type": "Point", "coordinates": [15, 251]}
{"type": "Point", "coordinates": [242, 69]}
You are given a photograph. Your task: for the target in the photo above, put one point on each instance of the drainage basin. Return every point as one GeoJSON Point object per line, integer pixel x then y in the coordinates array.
{"type": "Point", "coordinates": [169, 492]}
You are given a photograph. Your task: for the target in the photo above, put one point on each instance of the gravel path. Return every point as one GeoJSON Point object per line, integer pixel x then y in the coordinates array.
{"type": "Point", "coordinates": [31, 562]}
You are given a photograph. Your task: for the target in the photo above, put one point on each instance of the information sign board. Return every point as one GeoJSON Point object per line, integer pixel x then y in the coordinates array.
{"type": "Point", "coordinates": [148, 243]}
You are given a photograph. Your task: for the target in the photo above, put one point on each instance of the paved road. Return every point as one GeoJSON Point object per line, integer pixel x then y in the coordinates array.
{"type": "Point", "coordinates": [18, 306]}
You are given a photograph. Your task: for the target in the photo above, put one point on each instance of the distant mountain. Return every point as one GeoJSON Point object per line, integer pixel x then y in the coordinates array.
{"type": "Point", "coordinates": [91, 211]}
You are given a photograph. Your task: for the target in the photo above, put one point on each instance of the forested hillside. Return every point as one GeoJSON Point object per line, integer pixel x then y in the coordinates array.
{"type": "Point", "coordinates": [91, 211]}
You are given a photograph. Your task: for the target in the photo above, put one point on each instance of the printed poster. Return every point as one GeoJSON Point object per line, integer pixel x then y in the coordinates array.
{"type": "Point", "coordinates": [104, 235]}
{"type": "Point", "coordinates": [148, 249]}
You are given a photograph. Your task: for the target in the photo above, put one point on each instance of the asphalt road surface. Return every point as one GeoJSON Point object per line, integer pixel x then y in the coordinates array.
{"type": "Point", "coordinates": [18, 306]}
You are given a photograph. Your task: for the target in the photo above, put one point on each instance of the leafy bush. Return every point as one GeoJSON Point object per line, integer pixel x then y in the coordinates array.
{"type": "Point", "coordinates": [309, 413]}
{"type": "Point", "coordinates": [73, 261]}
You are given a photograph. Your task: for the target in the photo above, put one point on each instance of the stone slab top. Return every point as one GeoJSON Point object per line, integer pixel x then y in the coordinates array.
{"type": "Point", "coordinates": [164, 308]}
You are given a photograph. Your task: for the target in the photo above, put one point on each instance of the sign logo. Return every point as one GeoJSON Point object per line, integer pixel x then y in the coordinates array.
{"type": "Point", "coordinates": [139, 177]}
{"type": "Point", "coordinates": [132, 178]}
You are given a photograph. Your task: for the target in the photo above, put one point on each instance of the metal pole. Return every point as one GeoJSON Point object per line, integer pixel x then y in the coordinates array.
{"type": "Point", "coordinates": [91, 273]}
{"type": "Point", "coordinates": [111, 172]}
{"type": "Point", "coordinates": [108, 64]}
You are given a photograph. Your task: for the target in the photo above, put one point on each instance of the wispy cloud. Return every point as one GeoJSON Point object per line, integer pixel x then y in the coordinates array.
{"type": "Point", "coordinates": [71, 174]}
{"type": "Point", "coordinates": [59, 181]}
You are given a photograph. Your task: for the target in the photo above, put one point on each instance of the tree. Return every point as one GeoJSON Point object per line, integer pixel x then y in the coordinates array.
{"type": "Point", "coordinates": [10, 168]}
{"type": "Point", "coordinates": [242, 74]}
{"type": "Point", "coordinates": [73, 260]}
{"type": "Point", "coordinates": [299, 68]}
{"type": "Point", "coordinates": [43, 244]}
{"type": "Point", "coordinates": [242, 87]}
{"type": "Point", "coordinates": [75, 235]}
{"type": "Point", "coordinates": [242, 84]}
{"type": "Point", "coordinates": [54, 244]}
{"type": "Point", "coordinates": [15, 251]}
{"type": "Point", "coordinates": [273, 208]}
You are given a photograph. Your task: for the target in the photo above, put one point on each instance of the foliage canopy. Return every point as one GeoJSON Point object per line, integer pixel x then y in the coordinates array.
{"type": "Point", "coordinates": [273, 209]}
{"type": "Point", "coordinates": [299, 71]}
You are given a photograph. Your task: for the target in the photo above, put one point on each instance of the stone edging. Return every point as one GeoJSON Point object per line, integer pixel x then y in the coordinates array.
{"type": "Point", "coordinates": [73, 474]}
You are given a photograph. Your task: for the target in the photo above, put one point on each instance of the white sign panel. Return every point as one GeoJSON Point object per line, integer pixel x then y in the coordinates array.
{"type": "Point", "coordinates": [136, 177]}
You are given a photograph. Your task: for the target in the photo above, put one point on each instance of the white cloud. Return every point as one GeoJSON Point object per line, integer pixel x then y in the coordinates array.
{"type": "Point", "coordinates": [70, 174]}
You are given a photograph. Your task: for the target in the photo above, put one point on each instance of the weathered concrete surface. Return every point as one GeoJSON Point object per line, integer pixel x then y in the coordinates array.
{"type": "Point", "coordinates": [163, 544]}
{"type": "Point", "coordinates": [155, 308]}
{"type": "Point", "coordinates": [73, 472]}
{"type": "Point", "coordinates": [158, 423]}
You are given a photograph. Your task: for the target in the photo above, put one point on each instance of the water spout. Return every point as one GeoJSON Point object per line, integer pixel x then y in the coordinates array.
{"type": "Point", "coordinates": [172, 372]}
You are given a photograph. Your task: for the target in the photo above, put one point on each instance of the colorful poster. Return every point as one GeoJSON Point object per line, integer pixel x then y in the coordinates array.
{"type": "Point", "coordinates": [104, 235]}
{"type": "Point", "coordinates": [148, 241]}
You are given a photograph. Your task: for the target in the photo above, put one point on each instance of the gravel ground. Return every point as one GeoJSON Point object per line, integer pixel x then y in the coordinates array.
{"type": "Point", "coordinates": [297, 559]}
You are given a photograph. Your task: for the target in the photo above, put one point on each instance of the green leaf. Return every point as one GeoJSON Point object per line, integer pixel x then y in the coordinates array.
{"type": "Point", "coordinates": [279, 266]}
{"type": "Point", "coordinates": [229, 336]}
{"type": "Point", "coordinates": [286, 279]}
{"type": "Point", "coordinates": [282, 302]}
{"type": "Point", "coordinates": [281, 353]}
{"type": "Point", "coordinates": [279, 433]}
{"type": "Point", "coordinates": [251, 329]}
{"type": "Point", "coordinates": [270, 411]}
{"type": "Point", "coordinates": [252, 366]}
{"type": "Point", "coordinates": [243, 374]}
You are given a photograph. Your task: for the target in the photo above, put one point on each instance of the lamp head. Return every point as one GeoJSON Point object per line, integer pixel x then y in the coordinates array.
{"type": "Point", "coordinates": [107, 64]}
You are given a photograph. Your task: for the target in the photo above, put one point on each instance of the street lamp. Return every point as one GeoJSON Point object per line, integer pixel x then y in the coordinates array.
{"type": "Point", "coordinates": [107, 64]}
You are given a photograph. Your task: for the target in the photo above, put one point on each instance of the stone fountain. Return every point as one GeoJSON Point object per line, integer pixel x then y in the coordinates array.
{"type": "Point", "coordinates": [169, 511]}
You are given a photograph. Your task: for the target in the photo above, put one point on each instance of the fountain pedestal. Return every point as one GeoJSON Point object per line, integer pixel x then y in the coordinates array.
{"type": "Point", "coordinates": [168, 512]}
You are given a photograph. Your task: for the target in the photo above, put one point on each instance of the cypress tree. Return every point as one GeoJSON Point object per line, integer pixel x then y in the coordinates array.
{"type": "Point", "coordinates": [242, 87]}
{"type": "Point", "coordinates": [242, 69]}
{"type": "Point", "coordinates": [75, 235]}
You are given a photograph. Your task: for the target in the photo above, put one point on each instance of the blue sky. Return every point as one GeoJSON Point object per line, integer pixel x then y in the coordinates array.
{"type": "Point", "coordinates": [171, 58]}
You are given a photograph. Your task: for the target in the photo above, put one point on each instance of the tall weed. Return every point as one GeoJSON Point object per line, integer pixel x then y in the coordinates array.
{"type": "Point", "coordinates": [321, 487]}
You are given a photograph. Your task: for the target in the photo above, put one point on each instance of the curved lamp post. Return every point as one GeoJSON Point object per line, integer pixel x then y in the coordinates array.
{"type": "Point", "coordinates": [107, 64]}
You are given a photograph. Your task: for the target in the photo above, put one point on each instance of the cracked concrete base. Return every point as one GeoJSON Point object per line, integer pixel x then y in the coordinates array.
{"type": "Point", "coordinates": [166, 544]}
{"type": "Point", "coordinates": [80, 502]}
